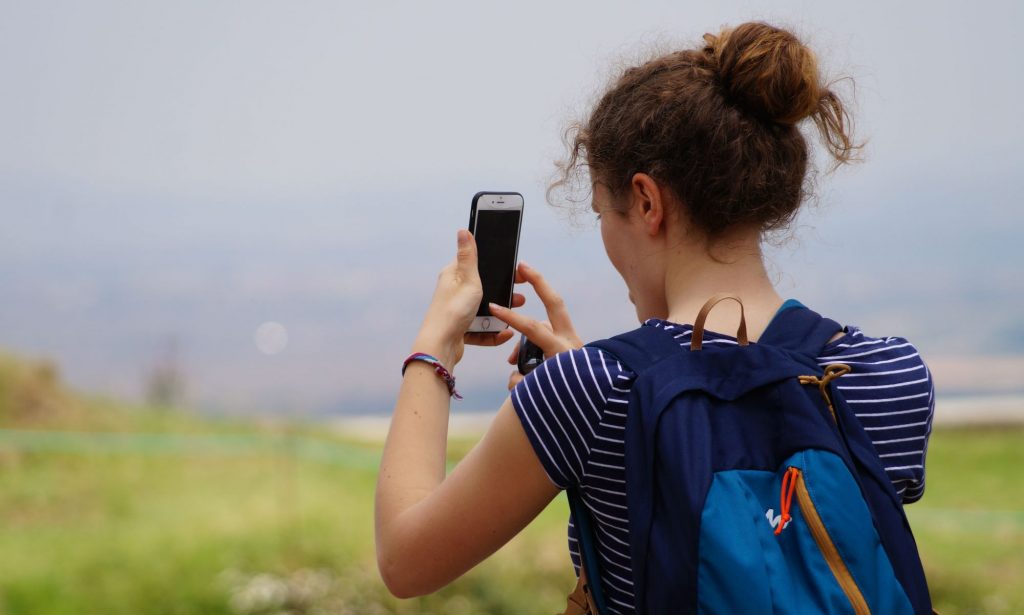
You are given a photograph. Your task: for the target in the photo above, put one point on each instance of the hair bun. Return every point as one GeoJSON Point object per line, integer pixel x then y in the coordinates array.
{"type": "Point", "coordinates": [767, 71]}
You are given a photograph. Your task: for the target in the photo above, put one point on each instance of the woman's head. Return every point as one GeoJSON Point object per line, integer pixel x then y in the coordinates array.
{"type": "Point", "coordinates": [717, 126]}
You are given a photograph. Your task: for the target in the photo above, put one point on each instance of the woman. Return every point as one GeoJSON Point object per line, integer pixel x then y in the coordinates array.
{"type": "Point", "coordinates": [693, 157]}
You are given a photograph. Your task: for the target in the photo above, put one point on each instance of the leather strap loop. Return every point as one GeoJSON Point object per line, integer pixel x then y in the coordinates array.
{"type": "Point", "coordinates": [697, 340]}
{"type": "Point", "coordinates": [580, 601]}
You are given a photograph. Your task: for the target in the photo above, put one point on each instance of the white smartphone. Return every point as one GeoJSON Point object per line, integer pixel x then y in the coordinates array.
{"type": "Point", "coordinates": [495, 219]}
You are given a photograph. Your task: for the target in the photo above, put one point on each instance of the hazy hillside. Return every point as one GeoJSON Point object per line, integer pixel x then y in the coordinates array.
{"type": "Point", "coordinates": [119, 288]}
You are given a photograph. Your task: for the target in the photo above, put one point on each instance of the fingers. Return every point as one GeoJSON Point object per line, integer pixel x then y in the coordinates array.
{"type": "Point", "coordinates": [488, 339]}
{"type": "Point", "coordinates": [535, 330]}
{"type": "Point", "coordinates": [513, 358]}
{"type": "Point", "coordinates": [558, 314]}
{"type": "Point", "coordinates": [503, 336]}
{"type": "Point", "coordinates": [465, 257]}
{"type": "Point", "coordinates": [518, 300]}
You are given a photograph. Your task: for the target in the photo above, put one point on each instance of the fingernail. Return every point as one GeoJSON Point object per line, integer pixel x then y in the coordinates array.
{"type": "Point", "coordinates": [463, 236]}
{"type": "Point", "coordinates": [524, 265]}
{"type": "Point", "coordinates": [494, 306]}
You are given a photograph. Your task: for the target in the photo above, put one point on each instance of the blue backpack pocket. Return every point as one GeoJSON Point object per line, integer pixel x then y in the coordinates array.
{"type": "Point", "coordinates": [804, 547]}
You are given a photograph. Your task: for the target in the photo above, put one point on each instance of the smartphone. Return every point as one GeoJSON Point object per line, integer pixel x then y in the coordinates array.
{"type": "Point", "coordinates": [495, 219]}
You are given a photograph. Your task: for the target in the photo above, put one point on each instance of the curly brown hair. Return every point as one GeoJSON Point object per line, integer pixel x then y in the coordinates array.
{"type": "Point", "coordinates": [718, 125]}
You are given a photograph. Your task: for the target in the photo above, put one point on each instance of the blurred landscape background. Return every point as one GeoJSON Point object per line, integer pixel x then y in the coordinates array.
{"type": "Point", "coordinates": [220, 224]}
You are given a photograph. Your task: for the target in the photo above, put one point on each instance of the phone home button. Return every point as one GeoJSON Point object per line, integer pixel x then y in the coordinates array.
{"type": "Point", "coordinates": [485, 323]}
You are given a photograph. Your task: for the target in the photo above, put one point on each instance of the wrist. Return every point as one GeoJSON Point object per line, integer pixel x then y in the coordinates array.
{"type": "Point", "coordinates": [440, 349]}
{"type": "Point", "coordinates": [430, 361]}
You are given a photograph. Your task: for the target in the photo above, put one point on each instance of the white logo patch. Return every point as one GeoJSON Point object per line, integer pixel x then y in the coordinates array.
{"type": "Point", "coordinates": [774, 519]}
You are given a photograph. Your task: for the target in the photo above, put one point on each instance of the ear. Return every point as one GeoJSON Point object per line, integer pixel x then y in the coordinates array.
{"type": "Point", "coordinates": [647, 202]}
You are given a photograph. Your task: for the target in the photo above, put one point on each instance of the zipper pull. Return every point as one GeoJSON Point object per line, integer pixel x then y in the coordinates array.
{"type": "Point", "coordinates": [786, 498]}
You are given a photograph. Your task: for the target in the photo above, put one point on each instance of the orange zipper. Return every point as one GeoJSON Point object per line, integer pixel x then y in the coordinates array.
{"type": "Point", "coordinates": [827, 547]}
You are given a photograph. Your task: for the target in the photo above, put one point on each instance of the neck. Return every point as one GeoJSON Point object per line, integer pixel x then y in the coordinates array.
{"type": "Point", "coordinates": [692, 275]}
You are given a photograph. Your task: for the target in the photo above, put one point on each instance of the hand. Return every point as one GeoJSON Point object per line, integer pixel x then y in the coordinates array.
{"type": "Point", "coordinates": [554, 336]}
{"type": "Point", "coordinates": [499, 338]}
{"type": "Point", "coordinates": [456, 298]}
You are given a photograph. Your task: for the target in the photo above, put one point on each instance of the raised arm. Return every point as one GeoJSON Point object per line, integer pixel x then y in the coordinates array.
{"type": "Point", "coordinates": [430, 528]}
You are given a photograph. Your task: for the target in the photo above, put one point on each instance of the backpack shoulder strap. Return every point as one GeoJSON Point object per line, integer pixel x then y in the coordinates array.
{"type": "Point", "coordinates": [640, 348]}
{"type": "Point", "coordinates": [800, 330]}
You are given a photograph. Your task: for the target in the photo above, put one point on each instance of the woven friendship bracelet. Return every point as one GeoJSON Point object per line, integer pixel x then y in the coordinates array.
{"type": "Point", "coordinates": [439, 369]}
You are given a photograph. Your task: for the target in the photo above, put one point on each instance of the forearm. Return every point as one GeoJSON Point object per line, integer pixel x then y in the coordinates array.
{"type": "Point", "coordinates": [413, 462]}
{"type": "Point", "coordinates": [495, 491]}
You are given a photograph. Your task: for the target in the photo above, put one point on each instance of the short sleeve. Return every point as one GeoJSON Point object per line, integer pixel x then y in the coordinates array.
{"type": "Point", "coordinates": [890, 389]}
{"type": "Point", "coordinates": [561, 405]}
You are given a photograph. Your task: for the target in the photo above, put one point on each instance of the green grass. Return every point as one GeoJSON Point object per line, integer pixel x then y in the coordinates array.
{"type": "Point", "coordinates": [177, 514]}
{"type": "Point", "coordinates": [970, 524]}
{"type": "Point", "coordinates": [272, 527]}
{"type": "Point", "coordinates": [264, 528]}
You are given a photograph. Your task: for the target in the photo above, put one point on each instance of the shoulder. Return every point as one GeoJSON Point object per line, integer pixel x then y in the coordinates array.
{"type": "Point", "coordinates": [854, 343]}
{"type": "Point", "coordinates": [892, 359]}
{"type": "Point", "coordinates": [884, 371]}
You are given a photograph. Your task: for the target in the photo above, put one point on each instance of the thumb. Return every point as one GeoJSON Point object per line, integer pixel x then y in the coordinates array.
{"type": "Point", "coordinates": [465, 258]}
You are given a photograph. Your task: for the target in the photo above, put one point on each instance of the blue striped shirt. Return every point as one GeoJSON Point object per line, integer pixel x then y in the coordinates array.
{"type": "Point", "coordinates": [573, 409]}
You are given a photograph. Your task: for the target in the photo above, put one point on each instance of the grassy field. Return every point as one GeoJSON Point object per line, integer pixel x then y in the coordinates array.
{"type": "Point", "coordinates": [970, 523]}
{"type": "Point", "coordinates": [165, 513]}
{"type": "Point", "coordinates": [282, 523]}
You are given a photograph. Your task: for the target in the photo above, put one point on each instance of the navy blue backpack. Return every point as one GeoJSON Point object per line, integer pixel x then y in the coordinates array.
{"type": "Point", "coordinates": [751, 486]}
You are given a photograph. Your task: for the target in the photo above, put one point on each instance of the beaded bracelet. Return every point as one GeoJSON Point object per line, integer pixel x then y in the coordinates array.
{"type": "Point", "coordinates": [439, 369]}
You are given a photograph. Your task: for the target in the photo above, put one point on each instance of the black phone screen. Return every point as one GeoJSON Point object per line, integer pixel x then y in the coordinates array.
{"type": "Point", "coordinates": [497, 233]}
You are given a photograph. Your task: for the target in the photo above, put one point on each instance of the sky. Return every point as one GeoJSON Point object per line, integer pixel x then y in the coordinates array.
{"type": "Point", "coordinates": [194, 175]}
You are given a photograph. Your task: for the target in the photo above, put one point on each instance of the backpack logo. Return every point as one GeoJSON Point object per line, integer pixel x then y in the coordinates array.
{"type": "Point", "coordinates": [774, 519]}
